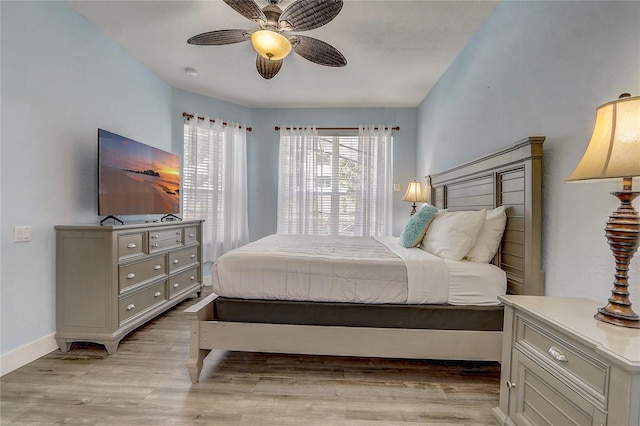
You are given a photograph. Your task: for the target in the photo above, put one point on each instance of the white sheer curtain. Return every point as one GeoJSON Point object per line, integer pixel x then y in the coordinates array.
{"type": "Point", "coordinates": [298, 211]}
{"type": "Point", "coordinates": [215, 183]}
{"type": "Point", "coordinates": [335, 184]}
{"type": "Point", "coordinates": [375, 147]}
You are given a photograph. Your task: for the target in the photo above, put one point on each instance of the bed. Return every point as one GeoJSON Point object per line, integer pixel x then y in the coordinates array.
{"type": "Point", "coordinates": [379, 327]}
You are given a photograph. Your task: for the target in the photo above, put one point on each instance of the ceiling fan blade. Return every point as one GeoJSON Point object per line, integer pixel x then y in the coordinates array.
{"type": "Point", "coordinates": [304, 15]}
{"type": "Point", "coordinates": [216, 38]}
{"type": "Point", "coordinates": [249, 9]}
{"type": "Point", "coordinates": [317, 51]}
{"type": "Point", "coordinates": [268, 68]}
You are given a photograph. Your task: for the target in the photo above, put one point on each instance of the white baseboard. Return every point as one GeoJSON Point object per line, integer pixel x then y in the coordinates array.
{"type": "Point", "coordinates": [23, 355]}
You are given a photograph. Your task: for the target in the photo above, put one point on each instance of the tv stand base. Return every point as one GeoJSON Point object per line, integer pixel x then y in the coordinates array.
{"type": "Point", "coordinates": [115, 219]}
{"type": "Point", "coordinates": [169, 218]}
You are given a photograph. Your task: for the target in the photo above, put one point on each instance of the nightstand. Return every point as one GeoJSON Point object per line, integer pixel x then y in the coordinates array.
{"type": "Point", "coordinates": [560, 366]}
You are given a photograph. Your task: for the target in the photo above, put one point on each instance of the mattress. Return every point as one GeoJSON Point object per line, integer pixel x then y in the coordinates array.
{"type": "Point", "coordinates": [340, 314]}
{"type": "Point", "coordinates": [352, 270]}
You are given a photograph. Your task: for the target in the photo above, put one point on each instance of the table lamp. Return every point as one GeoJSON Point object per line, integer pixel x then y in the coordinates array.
{"type": "Point", "coordinates": [414, 194]}
{"type": "Point", "coordinates": [614, 153]}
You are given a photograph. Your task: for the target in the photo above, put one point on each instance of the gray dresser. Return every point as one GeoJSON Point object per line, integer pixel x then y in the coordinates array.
{"type": "Point", "coordinates": [112, 279]}
{"type": "Point", "coordinates": [560, 366]}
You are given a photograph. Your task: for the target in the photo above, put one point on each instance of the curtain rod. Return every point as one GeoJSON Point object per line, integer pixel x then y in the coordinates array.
{"type": "Point", "coordinates": [190, 116]}
{"type": "Point", "coordinates": [277, 128]}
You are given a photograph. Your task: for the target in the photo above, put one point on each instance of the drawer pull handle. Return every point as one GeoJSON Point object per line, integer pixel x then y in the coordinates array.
{"type": "Point", "coordinates": [176, 285]}
{"type": "Point", "coordinates": [193, 256]}
{"type": "Point", "coordinates": [131, 276]}
{"type": "Point", "coordinates": [157, 267]}
{"type": "Point", "coordinates": [154, 236]}
{"type": "Point", "coordinates": [192, 278]}
{"type": "Point", "coordinates": [190, 235]}
{"type": "Point", "coordinates": [158, 294]}
{"type": "Point", "coordinates": [130, 307]}
{"type": "Point", "coordinates": [557, 354]}
{"type": "Point", "coordinates": [510, 384]}
{"type": "Point", "coordinates": [175, 261]}
{"type": "Point", "coordinates": [131, 245]}
{"type": "Point", "coordinates": [178, 240]}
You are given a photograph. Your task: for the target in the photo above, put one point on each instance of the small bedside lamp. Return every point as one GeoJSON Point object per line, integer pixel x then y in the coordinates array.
{"type": "Point", "coordinates": [414, 195]}
{"type": "Point", "coordinates": [614, 153]}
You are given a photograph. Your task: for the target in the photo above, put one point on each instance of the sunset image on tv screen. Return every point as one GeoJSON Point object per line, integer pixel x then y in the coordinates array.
{"type": "Point", "coordinates": [135, 178]}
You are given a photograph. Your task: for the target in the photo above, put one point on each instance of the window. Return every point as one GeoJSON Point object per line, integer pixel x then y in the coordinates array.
{"type": "Point", "coordinates": [214, 183]}
{"type": "Point", "coordinates": [334, 183]}
{"type": "Point", "coordinates": [203, 173]}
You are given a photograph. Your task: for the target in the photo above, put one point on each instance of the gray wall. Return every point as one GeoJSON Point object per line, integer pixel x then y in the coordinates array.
{"type": "Point", "coordinates": [542, 68]}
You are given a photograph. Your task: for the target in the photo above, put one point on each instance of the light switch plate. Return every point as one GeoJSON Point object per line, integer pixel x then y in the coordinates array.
{"type": "Point", "coordinates": [21, 234]}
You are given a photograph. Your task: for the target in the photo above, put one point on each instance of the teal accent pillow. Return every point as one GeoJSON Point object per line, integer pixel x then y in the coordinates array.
{"type": "Point", "coordinates": [417, 226]}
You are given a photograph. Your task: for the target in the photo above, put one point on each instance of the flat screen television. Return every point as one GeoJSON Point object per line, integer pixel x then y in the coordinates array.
{"type": "Point", "coordinates": [136, 179]}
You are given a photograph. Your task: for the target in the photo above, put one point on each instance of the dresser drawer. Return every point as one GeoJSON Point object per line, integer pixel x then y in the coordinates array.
{"type": "Point", "coordinates": [184, 258]}
{"type": "Point", "coordinates": [191, 235]}
{"type": "Point", "coordinates": [165, 239]}
{"type": "Point", "coordinates": [543, 399]}
{"type": "Point", "coordinates": [138, 303]}
{"type": "Point", "coordinates": [130, 245]}
{"type": "Point", "coordinates": [183, 281]}
{"type": "Point", "coordinates": [134, 274]}
{"type": "Point", "coordinates": [568, 358]}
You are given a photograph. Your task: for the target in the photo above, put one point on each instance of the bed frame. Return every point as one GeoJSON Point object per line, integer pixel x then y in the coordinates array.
{"type": "Point", "coordinates": [510, 177]}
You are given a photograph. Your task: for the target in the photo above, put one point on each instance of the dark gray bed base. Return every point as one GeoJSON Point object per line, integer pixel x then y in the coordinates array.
{"type": "Point", "coordinates": [439, 317]}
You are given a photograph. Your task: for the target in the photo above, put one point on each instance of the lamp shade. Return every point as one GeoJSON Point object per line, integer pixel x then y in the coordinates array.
{"type": "Point", "coordinates": [270, 44]}
{"type": "Point", "coordinates": [614, 149]}
{"type": "Point", "coordinates": [414, 193]}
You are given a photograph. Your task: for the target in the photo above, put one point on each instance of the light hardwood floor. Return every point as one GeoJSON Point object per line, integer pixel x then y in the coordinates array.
{"type": "Point", "coordinates": [146, 382]}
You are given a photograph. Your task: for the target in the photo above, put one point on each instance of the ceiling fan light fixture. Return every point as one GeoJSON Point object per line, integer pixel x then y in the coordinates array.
{"type": "Point", "coordinates": [270, 44]}
{"type": "Point", "coordinates": [272, 47]}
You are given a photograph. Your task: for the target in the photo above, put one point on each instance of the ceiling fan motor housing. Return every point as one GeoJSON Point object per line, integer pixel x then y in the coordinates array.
{"type": "Point", "coordinates": [272, 12]}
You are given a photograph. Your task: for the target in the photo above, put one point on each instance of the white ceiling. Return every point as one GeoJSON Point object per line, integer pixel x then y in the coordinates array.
{"type": "Point", "coordinates": [396, 50]}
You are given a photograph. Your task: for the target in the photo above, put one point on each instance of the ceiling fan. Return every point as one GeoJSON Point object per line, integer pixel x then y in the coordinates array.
{"type": "Point", "coordinates": [270, 43]}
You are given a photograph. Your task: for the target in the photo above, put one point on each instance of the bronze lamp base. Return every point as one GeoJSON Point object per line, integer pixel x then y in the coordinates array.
{"type": "Point", "coordinates": [622, 231]}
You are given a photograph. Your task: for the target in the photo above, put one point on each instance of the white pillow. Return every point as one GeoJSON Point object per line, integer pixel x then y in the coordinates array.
{"type": "Point", "coordinates": [452, 234]}
{"type": "Point", "coordinates": [490, 236]}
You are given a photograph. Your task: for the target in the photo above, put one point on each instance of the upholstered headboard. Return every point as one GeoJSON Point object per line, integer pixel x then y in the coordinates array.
{"type": "Point", "coordinates": [511, 177]}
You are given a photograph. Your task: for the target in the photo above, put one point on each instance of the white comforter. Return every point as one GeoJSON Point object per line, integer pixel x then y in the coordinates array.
{"type": "Point", "coordinates": [349, 269]}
